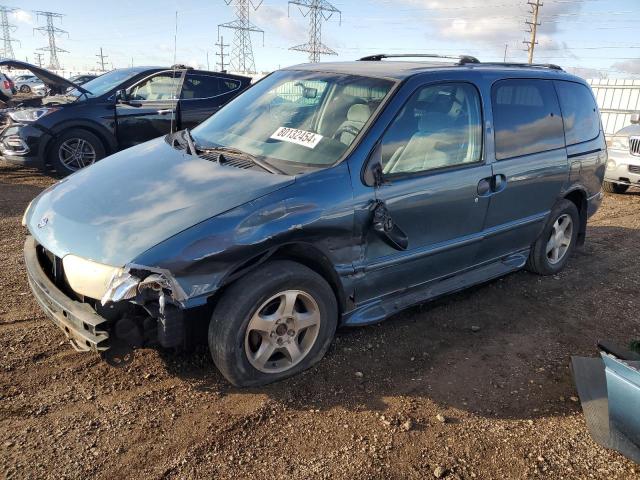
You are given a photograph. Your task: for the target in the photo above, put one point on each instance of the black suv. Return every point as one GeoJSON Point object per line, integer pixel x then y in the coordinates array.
{"type": "Point", "coordinates": [326, 194]}
{"type": "Point", "coordinates": [119, 109]}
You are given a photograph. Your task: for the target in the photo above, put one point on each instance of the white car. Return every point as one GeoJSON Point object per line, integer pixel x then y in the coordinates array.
{"type": "Point", "coordinates": [28, 84]}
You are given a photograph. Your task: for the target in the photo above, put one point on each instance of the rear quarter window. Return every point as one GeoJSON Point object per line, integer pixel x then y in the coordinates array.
{"type": "Point", "coordinates": [526, 117]}
{"type": "Point", "coordinates": [579, 111]}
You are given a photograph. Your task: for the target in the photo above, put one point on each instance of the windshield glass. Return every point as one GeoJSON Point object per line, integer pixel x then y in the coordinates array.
{"type": "Point", "coordinates": [104, 83]}
{"type": "Point", "coordinates": [305, 118]}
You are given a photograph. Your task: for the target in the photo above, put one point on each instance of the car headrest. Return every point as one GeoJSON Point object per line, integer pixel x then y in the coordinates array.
{"type": "Point", "coordinates": [432, 122]}
{"type": "Point", "coordinates": [359, 113]}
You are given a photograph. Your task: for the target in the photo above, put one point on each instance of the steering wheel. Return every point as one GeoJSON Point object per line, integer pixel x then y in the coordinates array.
{"type": "Point", "coordinates": [352, 129]}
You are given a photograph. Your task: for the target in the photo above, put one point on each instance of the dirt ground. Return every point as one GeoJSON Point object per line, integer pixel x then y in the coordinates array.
{"type": "Point", "coordinates": [505, 391]}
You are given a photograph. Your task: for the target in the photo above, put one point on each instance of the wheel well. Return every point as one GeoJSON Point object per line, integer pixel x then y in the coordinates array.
{"type": "Point", "coordinates": [579, 199]}
{"type": "Point", "coordinates": [105, 143]}
{"type": "Point", "coordinates": [304, 254]}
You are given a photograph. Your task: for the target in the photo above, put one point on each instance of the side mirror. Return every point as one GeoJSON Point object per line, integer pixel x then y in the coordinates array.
{"type": "Point", "coordinates": [122, 96]}
{"type": "Point", "coordinates": [635, 118]}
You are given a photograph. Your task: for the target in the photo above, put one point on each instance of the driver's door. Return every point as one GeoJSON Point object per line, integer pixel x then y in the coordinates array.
{"type": "Point", "coordinates": [150, 108]}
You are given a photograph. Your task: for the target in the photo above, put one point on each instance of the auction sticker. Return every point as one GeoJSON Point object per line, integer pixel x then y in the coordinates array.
{"type": "Point", "coordinates": [300, 137]}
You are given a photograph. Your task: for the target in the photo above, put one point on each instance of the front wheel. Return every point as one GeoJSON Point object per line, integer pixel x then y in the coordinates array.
{"type": "Point", "coordinates": [611, 187]}
{"type": "Point", "coordinates": [25, 89]}
{"type": "Point", "coordinates": [277, 321]}
{"type": "Point", "coordinates": [75, 149]}
{"type": "Point", "coordinates": [552, 249]}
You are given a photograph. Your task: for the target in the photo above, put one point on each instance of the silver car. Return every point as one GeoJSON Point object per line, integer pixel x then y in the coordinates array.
{"type": "Point", "coordinates": [623, 166]}
{"type": "Point", "coordinates": [28, 83]}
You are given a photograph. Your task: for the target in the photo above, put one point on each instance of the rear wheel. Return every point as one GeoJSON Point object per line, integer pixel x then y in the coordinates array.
{"type": "Point", "coordinates": [275, 322]}
{"type": "Point", "coordinates": [75, 149]}
{"type": "Point", "coordinates": [552, 249]}
{"type": "Point", "coordinates": [612, 187]}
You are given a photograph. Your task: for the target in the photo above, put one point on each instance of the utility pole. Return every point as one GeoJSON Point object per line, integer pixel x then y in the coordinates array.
{"type": "Point", "coordinates": [506, 46]}
{"type": "Point", "coordinates": [317, 11]}
{"type": "Point", "coordinates": [6, 29]}
{"type": "Point", "coordinates": [221, 63]}
{"type": "Point", "coordinates": [52, 32]}
{"type": "Point", "coordinates": [101, 61]}
{"type": "Point", "coordinates": [39, 58]}
{"type": "Point", "coordinates": [533, 27]}
{"type": "Point", "coordinates": [242, 60]}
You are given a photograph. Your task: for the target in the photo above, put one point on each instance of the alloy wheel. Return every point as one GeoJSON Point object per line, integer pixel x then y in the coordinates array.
{"type": "Point", "coordinates": [282, 331]}
{"type": "Point", "coordinates": [76, 153]}
{"type": "Point", "coordinates": [560, 239]}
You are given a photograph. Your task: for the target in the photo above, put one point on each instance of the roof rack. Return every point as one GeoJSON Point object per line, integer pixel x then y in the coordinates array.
{"type": "Point", "coordinates": [462, 59]}
{"type": "Point", "coordinates": [525, 65]}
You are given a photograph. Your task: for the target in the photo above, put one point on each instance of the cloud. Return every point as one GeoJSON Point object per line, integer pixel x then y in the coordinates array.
{"type": "Point", "coordinates": [276, 19]}
{"type": "Point", "coordinates": [628, 66]}
{"type": "Point", "coordinates": [22, 16]}
{"type": "Point", "coordinates": [493, 22]}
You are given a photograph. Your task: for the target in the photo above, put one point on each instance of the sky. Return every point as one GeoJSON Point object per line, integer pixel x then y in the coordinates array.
{"type": "Point", "coordinates": [593, 38]}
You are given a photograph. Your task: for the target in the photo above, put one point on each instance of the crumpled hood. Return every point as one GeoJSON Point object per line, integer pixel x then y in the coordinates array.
{"type": "Point", "coordinates": [129, 202]}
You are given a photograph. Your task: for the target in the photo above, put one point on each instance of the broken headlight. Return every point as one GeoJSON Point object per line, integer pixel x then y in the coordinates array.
{"type": "Point", "coordinates": [126, 285]}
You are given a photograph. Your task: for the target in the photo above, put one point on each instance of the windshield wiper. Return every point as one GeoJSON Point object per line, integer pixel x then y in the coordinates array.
{"type": "Point", "coordinates": [239, 153]}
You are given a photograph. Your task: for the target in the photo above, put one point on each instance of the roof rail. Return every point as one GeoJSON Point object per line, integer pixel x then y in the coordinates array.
{"type": "Point", "coordinates": [462, 59]}
{"type": "Point", "coordinates": [525, 65]}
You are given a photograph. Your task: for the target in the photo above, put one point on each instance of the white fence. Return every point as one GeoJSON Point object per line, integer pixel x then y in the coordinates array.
{"type": "Point", "coordinates": [617, 99]}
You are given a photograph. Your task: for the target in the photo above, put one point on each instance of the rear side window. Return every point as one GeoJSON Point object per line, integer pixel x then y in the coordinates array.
{"type": "Point", "coordinates": [526, 117]}
{"type": "Point", "coordinates": [579, 111]}
{"type": "Point", "coordinates": [205, 86]}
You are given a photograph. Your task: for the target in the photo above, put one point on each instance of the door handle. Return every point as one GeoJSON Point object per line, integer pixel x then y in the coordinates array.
{"type": "Point", "coordinates": [490, 185]}
{"type": "Point", "coordinates": [498, 183]}
{"type": "Point", "coordinates": [165, 112]}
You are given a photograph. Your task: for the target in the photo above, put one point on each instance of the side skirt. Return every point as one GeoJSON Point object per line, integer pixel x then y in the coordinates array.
{"type": "Point", "coordinates": [377, 310]}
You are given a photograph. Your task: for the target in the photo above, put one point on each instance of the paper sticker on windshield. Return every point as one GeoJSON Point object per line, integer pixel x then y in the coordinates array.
{"type": "Point", "coordinates": [300, 137]}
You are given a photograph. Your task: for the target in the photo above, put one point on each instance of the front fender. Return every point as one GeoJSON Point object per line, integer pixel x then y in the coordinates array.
{"type": "Point", "coordinates": [317, 210]}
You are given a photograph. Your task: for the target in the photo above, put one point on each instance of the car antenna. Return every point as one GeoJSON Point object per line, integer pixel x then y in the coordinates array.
{"type": "Point", "coordinates": [175, 49]}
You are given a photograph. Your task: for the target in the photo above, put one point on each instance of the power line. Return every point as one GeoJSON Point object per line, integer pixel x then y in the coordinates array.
{"type": "Point", "coordinates": [222, 65]}
{"type": "Point", "coordinates": [533, 27]}
{"type": "Point", "coordinates": [6, 29]}
{"type": "Point", "coordinates": [52, 32]}
{"type": "Point", "coordinates": [317, 11]}
{"type": "Point", "coordinates": [101, 57]}
{"type": "Point", "coordinates": [242, 51]}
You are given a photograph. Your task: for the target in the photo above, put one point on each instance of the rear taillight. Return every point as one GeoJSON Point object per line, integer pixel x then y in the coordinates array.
{"type": "Point", "coordinates": [7, 85]}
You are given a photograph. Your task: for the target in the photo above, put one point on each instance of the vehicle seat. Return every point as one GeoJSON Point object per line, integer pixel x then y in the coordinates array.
{"type": "Point", "coordinates": [357, 116]}
{"type": "Point", "coordinates": [429, 148]}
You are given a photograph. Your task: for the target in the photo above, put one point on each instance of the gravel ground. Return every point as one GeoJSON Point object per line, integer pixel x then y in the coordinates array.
{"type": "Point", "coordinates": [418, 396]}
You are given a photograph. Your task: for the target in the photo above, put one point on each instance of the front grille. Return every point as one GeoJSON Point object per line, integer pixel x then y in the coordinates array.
{"type": "Point", "coordinates": [634, 168]}
{"type": "Point", "coordinates": [634, 145]}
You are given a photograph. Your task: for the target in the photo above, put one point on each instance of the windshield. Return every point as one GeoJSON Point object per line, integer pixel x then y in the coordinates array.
{"type": "Point", "coordinates": [304, 118]}
{"type": "Point", "coordinates": [104, 83]}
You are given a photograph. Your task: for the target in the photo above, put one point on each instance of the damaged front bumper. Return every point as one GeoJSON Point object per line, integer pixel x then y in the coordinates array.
{"type": "Point", "coordinates": [84, 328]}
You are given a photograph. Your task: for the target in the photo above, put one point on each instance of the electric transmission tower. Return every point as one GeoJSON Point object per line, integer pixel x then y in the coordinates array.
{"type": "Point", "coordinates": [101, 58]}
{"type": "Point", "coordinates": [221, 63]}
{"type": "Point", "coordinates": [39, 56]}
{"type": "Point", "coordinates": [533, 27]}
{"type": "Point", "coordinates": [317, 11]}
{"type": "Point", "coordinates": [7, 29]}
{"type": "Point", "coordinates": [241, 51]}
{"type": "Point", "coordinates": [52, 32]}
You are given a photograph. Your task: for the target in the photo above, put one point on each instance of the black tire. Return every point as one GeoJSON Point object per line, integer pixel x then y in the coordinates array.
{"type": "Point", "coordinates": [239, 303]}
{"type": "Point", "coordinates": [539, 261]}
{"type": "Point", "coordinates": [611, 187]}
{"type": "Point", "coordinates": [25, 89]}
{"type": "Point", "coordinates": [74, 134]}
